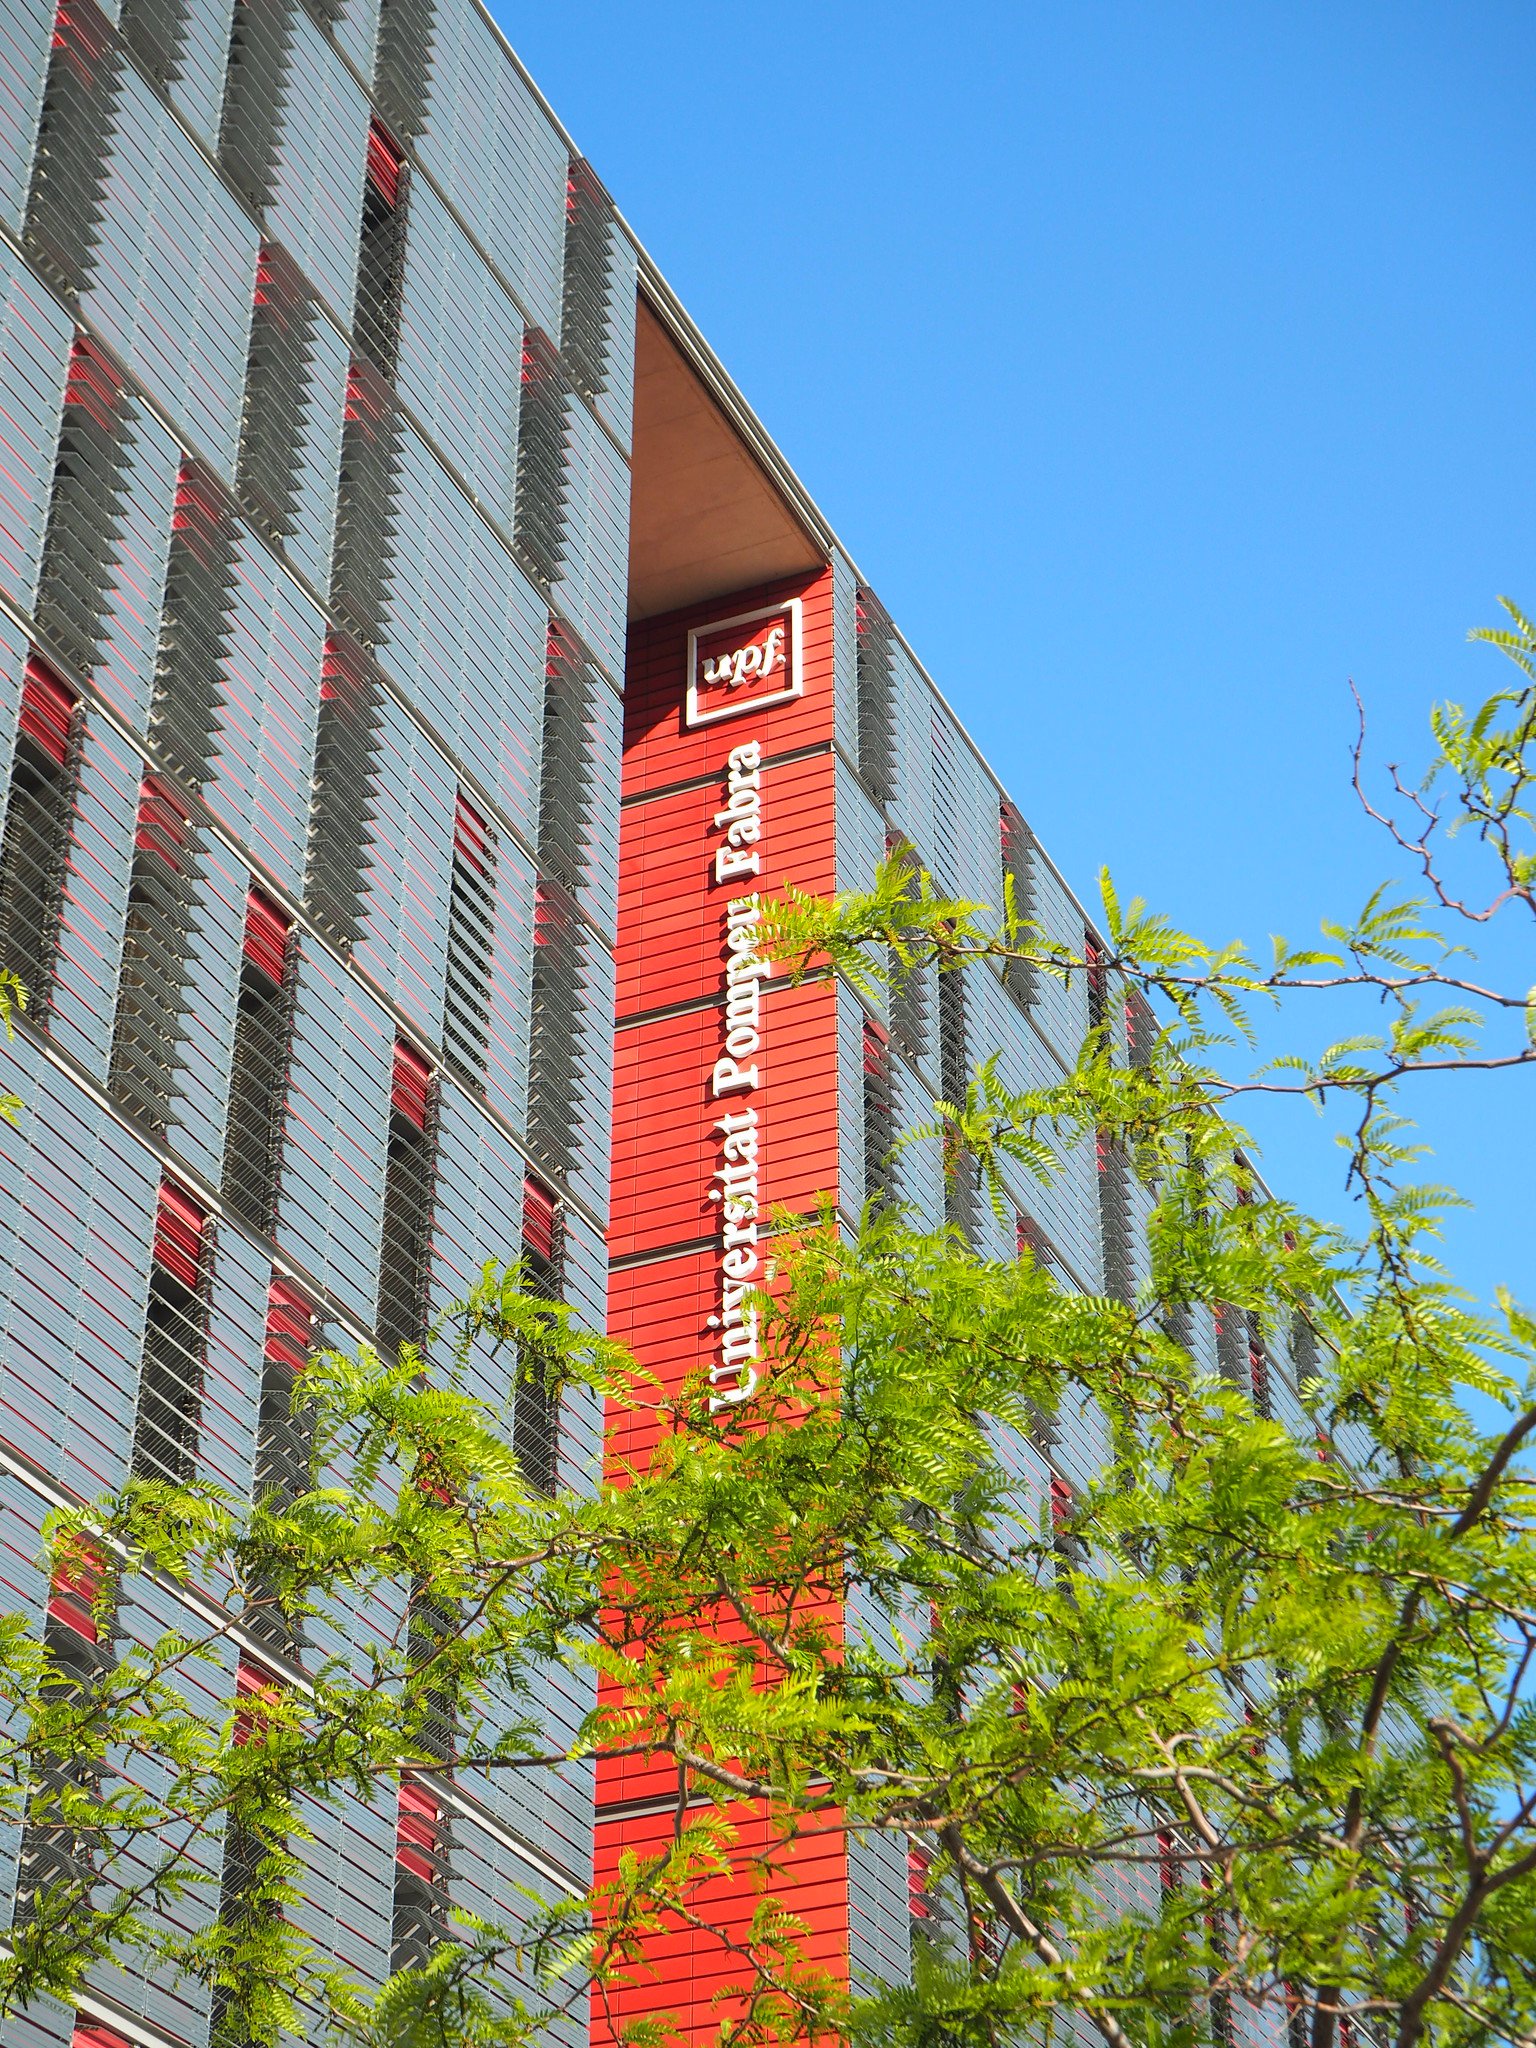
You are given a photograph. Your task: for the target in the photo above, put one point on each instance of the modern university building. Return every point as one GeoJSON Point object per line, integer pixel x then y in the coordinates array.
{"type": "Point", "coordinates": [414, 657]}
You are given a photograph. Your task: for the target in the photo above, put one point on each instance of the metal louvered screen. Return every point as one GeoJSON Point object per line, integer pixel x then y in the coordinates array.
{"type": "Point", "coordinates": [39, 818]}
{"type": "Point", "coordinates": [1114, 1176]}
{"type": "Point", "coordinates": [471, 929]}
{"type": "Point", "coordinates": [409, 1173]}
{"type": "Point", "coordinates": [423, 1863]}
{"type": "Point", "coordinates": [284, 1439]}
{"type": "Point", "coordinates": [199, 601]}
{"type": "Point", "coordinates": [565, 784]}
{"type": "Point", "coordinates": [55, 1852]}
{"type": "Point", "coordinates": [543, 455]}
{"type": "Point", "coordinates": [175, 1336]}
{"type": "Point", "coordinates": [348, 741]}
{"type": "Point", "coordinates": [554, 1081]}
{"type": "Point", "coordinates": [961, 1190]}
{"type": "Point", "coordinates": [260, 46]}
{"type": "Point", "coordinates": [587, 297]}
{"type": "Point", "coordinates": [876, 695]}
{"type": "Point", "coordinates": [285, 1445]}
{"type": "Point", "coordinates": [429, 1623]}
{"type": "Point", "coordinates": [66, 206]}
{"type": "Point", "coordinates": [1017, 846]}
{"type": "Point", "coordinates": [381, 254]}
{"type": "Point", "coordinates": [1231, 1343]}
{"type": "Point", "coordinates": [1098, 982]}
{"type": "Point", "coordinates": [258, 1088]}
{"type": "Point", "coordinates": [84, 505]}
{"type": "Point", "coordinates": [1140, 1028]}
{"type": "Point", "coordinates": [276, 393]}
{"type": "Point", "coordinates": [404, 62]}
{"type": "Point", "coordinates": [909, 1000]}
{"type": "Point", "coordinates": [147, 1032]}
{"type": "Point", "coordinates": [155, 31]}
{"type": "Point", "coordinates": [365, 503]}
{"type": "Point", "coordinates": [536, 1403]}
{"type": "Point", "coordinates": [879, 1119]}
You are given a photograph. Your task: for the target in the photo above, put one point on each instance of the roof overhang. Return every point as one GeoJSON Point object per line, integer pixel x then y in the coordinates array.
{"type": "Point", "coordinates": [707, 514]}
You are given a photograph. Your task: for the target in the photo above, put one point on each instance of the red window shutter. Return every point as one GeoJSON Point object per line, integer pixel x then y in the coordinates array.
{"type": "Point", "coordinates": [416, 1838]}
{"type": "Point", "coordinates": [470, 833]}
{"type": "Point", "coordinates": [92, 384]}
{"type": "Point", "coordinates": [1029, 1237]}
{"type": "Point", "coordinates": [47, 709]}
{"type": "Point", "coordinates": [343, 670]}
{"type": "Point", "coordinates": [76, 1582]}
{"type": "Point", "coordinates": [200, 507]}
{"type": "Point", "coordinates": [538, 1218]}
{"type": "Point", "coordinates": [266, 935]}
{"type": "Point", "coordinates": [179, 1224]}
{"type": "Point", "coordinates": [1061, 1502]}
{"type": "Point", "coordinates": [917, 1884]}
{"type": "Point", "coordinates": [874, 1049]}
{"type": "Point", "coordinates": [413, 1078]}
{"type": "Point", "coordinates": [1010, 830]}
{"type": "Point", "coordinates": [290, 1327]}
{"type": "Point", "coordinates": [367, 395]}
{"type": "Point", "coordinates": [384, 162]}
{"type": "Point", "coordinates": [163, 828]}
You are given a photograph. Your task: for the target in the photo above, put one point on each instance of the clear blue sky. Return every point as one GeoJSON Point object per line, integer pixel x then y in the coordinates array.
{"type": "Point", "coordinates": [1163, 367]}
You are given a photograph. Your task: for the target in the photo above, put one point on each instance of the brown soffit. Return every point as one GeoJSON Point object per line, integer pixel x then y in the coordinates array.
{"type": "Point", "coordinates": [706, 516]}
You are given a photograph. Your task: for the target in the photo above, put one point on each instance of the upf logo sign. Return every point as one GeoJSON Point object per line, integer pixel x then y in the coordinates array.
{"type": "Point", "coordinates": [742, 664]}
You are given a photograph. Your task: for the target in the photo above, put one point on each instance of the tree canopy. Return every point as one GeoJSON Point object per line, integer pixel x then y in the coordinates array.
{"type": "Point", "coordinates": [1229, 1729]}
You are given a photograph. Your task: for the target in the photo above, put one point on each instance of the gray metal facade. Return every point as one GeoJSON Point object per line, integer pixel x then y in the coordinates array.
{"type": "Point", "coordinates": [316, 349]}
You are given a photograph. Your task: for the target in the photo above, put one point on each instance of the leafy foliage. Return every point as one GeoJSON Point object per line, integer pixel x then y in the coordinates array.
{"type": "Point", "coordinates": [1224, 1730]}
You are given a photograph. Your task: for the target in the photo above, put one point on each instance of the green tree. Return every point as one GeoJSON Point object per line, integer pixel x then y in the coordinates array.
{"type": "Point", "coordinates": [1233, 1727]}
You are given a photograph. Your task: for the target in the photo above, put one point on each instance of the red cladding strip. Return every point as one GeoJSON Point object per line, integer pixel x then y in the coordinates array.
{"type": "Point", "coordinates": [470, 834]}
{"type": "Point", "coordinates": [162, 828]}
{"type": "Point", "coordinates": [416, 1839]}
{"type": "Point", "coordinates": [76, 1582]}
{"type": "Point", "coordinates": [266, 935]}
{"type": "Point", "coordinates": [179, 1234]}
{"type": "Point", "coordinates": [538, 1218]}
{"type": "Point", "coordinates": [47, 709]}
{"type": "Point", "coordinates": [290, 1327]}
{"type": "Point", "coordinates": [383, 165]}
{"type": "Point", "coordinates": [413, 1077]}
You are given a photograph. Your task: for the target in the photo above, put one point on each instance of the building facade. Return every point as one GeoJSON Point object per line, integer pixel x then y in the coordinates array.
{"type": "Point", "coordinates": [415, 659]}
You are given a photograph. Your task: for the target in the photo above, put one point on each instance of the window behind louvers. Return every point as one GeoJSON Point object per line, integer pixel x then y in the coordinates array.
{"type": "Point", "coordinates": [148, 1030]}
{"type": "Point", "coordinates": [39, 817]}
{"type": "Point", "coordinates": [171, 1381]}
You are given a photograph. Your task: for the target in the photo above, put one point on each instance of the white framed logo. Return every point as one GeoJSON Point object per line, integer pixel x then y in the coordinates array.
{"type": "Point", "coordinates": [745, 663]}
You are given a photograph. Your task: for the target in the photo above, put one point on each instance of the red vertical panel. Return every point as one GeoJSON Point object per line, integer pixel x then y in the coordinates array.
{"type": "Point", "coordinates": [673, 949]}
